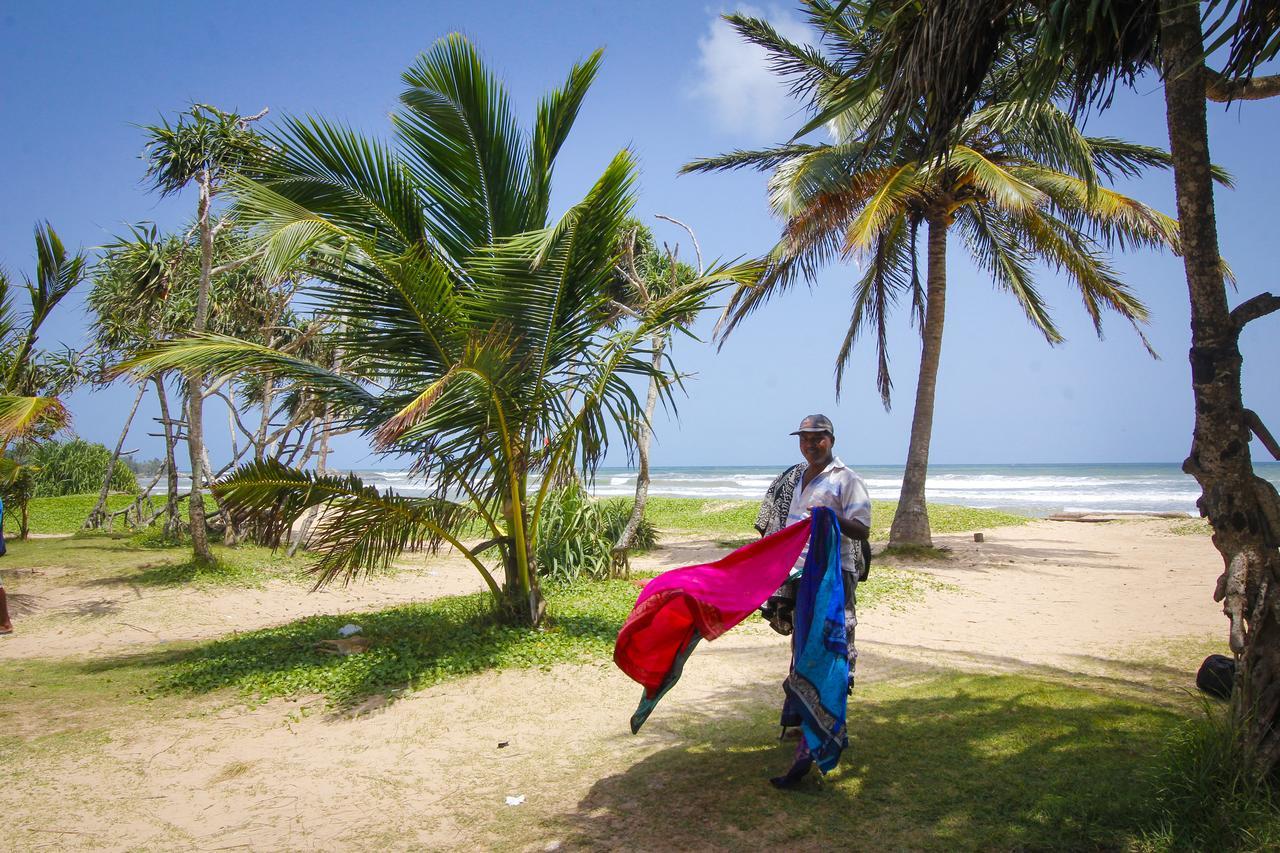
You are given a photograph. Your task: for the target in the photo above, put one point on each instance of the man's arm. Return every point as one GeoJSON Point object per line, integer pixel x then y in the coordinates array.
{"type": "Point", "coordinates": [855, 517]}
{"type": "Point", "coordinates": [853, 528]}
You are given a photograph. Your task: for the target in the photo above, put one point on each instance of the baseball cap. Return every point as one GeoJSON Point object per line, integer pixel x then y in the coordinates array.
{"type": "Point", "coordinates": [815, 423]}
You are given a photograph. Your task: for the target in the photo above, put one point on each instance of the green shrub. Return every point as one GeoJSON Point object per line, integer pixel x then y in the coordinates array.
{"type": "Point", "coordinates": [576, 534]}
{"type": "Point", "coordinates": [76, 467]}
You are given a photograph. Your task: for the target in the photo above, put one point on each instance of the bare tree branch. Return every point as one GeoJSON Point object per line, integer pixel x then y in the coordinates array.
{"type": "Point", "coordinates": [697, 250]}
{"type": "Point", "coordinates": [1218, 88]}
{"type": "Point", "coordinates": [1264, 435]}
{"type": "Point", "coordinates": [238, 262]}
{"type": "Point", "coordinates": [1252, 309]}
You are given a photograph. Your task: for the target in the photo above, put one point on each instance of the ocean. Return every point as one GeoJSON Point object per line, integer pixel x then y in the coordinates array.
{"type": "Point", "coordinates": [1036, 490]}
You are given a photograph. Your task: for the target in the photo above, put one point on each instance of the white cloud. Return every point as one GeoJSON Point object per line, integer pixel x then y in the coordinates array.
{"type": "Point", "coordinates": [734, 80]}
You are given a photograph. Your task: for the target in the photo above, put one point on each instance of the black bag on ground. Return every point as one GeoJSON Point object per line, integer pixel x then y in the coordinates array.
{"type": "Point", "coordinates": [1217, 676]}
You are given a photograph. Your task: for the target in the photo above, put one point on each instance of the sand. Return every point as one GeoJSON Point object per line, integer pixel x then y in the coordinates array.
{"type": "Point", "coordinates": [429, 770]}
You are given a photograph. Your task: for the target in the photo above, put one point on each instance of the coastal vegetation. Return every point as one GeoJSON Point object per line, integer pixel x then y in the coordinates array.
{"type": "Point", "coordinates": [939, 55]}
{"type": "Point", "coordinates": [1017, 180]}
{"type": "Point", "coordinates": [482, 327]}
{"type": "Point", "coordinates": [33, 379]}
{"type": "Point", "coordinates": [419, 290]}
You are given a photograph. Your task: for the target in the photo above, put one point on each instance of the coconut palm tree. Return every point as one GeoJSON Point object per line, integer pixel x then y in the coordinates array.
{"type": "Point", "coordinates": [939, 53]}
{"type": "Point", "coordinates": [1018, 182]}
{"type": "Point", "coordinates": [32, 380]}
{"type": "Point", "coordinates": [485, 327]}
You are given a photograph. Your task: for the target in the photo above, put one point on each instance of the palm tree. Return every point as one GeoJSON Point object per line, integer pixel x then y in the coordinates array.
{"type": "Point", "coordinates": [1018, 181]}
{"type": "Point", "coordinates": [938, 51]}
{"type": "Point", "coordinates": [204, 146]}
{"type": "Point", "coordinates": [32, 380]}
{"type": "Point", "coordinates": [484, 328]}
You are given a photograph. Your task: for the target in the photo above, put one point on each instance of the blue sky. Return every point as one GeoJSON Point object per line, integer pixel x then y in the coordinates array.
{"type": "Point", "coordinates": [76, 79]}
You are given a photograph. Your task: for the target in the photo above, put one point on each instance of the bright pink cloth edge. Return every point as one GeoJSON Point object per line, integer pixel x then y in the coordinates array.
{"type": "Point", "coordinates": [712, 597]}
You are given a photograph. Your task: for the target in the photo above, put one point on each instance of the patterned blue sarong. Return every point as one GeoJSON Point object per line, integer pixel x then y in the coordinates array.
{"type": "Point", "coordinates": [818, 686]}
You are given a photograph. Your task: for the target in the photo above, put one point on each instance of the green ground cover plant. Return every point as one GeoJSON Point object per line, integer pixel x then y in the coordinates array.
{"type": "Point", "coordinates": [733, 520]}
{"type": "Point", "coordinates": [417, 645]}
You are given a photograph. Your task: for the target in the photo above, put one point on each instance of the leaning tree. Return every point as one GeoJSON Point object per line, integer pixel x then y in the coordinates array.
{"type": "Point", "coordinates": [938, 54]}
{"type": "Point", "coordinates": [1017, 181]}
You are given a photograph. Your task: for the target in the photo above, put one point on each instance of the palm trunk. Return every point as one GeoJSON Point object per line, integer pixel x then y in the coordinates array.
{"type": "Point", "coordinates": [195, 385]}
{"type": "Point", "coordinates": [99, 512]}
{"type": "Point", "coordinates": [1243, 509]}
{"type": "Point", "coordinates": [911, 519]}
{"type": "Point", "coordinates": [643, 436]}
{"type": "Point", "coordinates": [173, 521]}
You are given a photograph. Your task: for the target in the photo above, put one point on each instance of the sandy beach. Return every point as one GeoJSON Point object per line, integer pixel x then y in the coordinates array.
{"type": "Point", "coordinates": [1125, 603]}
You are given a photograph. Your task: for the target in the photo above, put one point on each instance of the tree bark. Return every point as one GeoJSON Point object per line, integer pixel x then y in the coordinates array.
{"type": "Point", "coordinates": [911, 519]}
{"type": "Point", "coordinates": [195, 384]}
{"type": "Point", "coordinates": [1243, 509]}
{"type": "Point", "coordinates": [173, 520]}
{"type": "Point", "coordinates": [99, 512]}
{"type": "Point", "coordinates": [643, 437]}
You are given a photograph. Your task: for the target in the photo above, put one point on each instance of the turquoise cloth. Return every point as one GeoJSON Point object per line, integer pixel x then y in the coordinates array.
{"type": "Point", "coordinates": [818, 687]}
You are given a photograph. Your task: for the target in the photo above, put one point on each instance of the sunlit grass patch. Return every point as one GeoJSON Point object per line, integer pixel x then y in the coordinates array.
{"type": "Point", "coordinates": [413, 646]}
{"type": "Point", "coordinates": [731, 522]}
{"type": "Point", "coordinates": [1194, 527]}
{"type": "Point", "coordinates": [915, 552]}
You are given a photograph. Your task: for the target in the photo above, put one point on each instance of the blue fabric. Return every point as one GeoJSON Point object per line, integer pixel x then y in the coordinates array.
{"type": "Point", "coordinates": [818, 687]}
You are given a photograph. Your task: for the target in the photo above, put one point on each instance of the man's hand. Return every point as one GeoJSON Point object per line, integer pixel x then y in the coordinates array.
{"type": "Point", "coordinates": [850, 527]}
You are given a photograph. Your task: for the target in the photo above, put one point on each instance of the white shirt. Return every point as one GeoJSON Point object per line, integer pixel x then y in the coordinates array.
{"type": "Point", "coordinates": [841, 489]}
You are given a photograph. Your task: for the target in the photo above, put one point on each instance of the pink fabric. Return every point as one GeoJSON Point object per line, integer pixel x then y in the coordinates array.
{"type": "Point", "coordinates": [710, 598]}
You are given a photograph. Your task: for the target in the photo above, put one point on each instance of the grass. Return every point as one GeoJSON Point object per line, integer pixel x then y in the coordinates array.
{"type": "Point", "coordinates": [1196, 527]}
{"type": "Point", "coordinates": [916, 552]}
{"type": "Point", "coordinates": [731, 522]}
{"type": "Point", "coordinates": [116, 558]}
{"type": "Point", "coordinates": [1207, 800]}
{"type": "Point", "coordinates": [414, 646]}
{"type": "Point", "coordinates": [66, 514]}
{"type": "Point", "coordinates": [940, 762]}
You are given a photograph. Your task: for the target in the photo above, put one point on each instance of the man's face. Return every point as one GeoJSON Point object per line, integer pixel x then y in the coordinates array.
{"type": "Point", "coordinates": [815, 447]}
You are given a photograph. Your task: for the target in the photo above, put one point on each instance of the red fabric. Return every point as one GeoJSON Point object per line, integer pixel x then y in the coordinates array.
{"type": "Point", "coordinates": [711, 598]}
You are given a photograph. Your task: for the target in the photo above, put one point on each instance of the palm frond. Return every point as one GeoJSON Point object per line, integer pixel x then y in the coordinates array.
{"type": "Point", "coordinates": [556, 114]}
{"type": "Point", "coordinates": [997, 249]}
{"type": "Point", "coordinates": [460, 140]}
{"type": "Point", "coordinates": [887, 276]}
{"type": "Point", "coordinates": [1001, 186]}
{"type": "Point", "coordinates": [361, 531]}
{"type": "Point", "coordinates": [21, 416]}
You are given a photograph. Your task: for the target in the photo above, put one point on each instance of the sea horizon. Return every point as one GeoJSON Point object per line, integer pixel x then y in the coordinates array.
{"type": "Point", "coordinates": [1029, 488]}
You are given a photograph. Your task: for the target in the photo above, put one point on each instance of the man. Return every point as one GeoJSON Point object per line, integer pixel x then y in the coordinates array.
{"type": "Point", "coordinates": [822, 480]}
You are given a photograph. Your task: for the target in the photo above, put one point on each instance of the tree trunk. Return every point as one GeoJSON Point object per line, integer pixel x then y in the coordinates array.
{"type": "Point", "coordinates": [195, 385]}
{"type": "Point", "coordinates": [525, 603]}
{"type": "Point", "coordinates": [1242, 508]}
{"type": "Point", "coordinates": [643, 436]}
{"type": "Point", "coordinates": [911, 519]}
{"type": "Point", "coordinates": [99, 512]}
{"type": "Point", "coordinates": [173, 521]}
